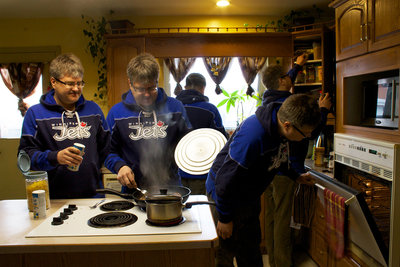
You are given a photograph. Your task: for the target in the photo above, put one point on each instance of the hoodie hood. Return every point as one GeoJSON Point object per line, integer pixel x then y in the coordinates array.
{"type": "Point", "coordinates": [191, 96]}
{"type": "Point", "coordinates": [50, 103]}
{"type": "Point", "coordinates": [267, 116]}
{"type": "Point", "coordinates": [274, 96]}
{"type": "Point", "coordinates": [129, 101]}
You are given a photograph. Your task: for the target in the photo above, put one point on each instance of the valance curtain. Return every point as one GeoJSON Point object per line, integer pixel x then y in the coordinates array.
{"type": "Point", "coordinates": [179, 67]}
{"type": "Point", "coordinates": [217, 67]}
{"type": "Point", "coordinates": [21, 79]}
{"type": "Point", "coordinates": [250, 66]}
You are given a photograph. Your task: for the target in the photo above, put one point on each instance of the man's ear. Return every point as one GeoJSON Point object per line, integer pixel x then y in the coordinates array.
{"type": "Point", "coordinates": [286, 125]}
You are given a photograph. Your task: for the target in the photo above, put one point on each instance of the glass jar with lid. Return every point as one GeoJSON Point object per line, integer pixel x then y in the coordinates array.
{"type": "Point", "coordinates": [34, 180]}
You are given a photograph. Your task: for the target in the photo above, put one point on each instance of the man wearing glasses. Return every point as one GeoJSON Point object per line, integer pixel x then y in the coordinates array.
{"type": "Point", "coordinates": [146, 127]}
{"type": "Point", "coordinates": [279, 194]}
{"type": "Point", "coordinates": [63, 117]}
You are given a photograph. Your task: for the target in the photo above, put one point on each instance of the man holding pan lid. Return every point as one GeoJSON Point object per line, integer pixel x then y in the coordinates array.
{"type": "Point", "coordinates": [146, 127]}
{"type": "Point", "coordinates": [246, 166]}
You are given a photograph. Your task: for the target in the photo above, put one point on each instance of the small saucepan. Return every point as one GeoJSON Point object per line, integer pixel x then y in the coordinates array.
{"type": "Point", "coordinates": [139, 198]}
{"type": "Point", "coordinates": [163, 209]}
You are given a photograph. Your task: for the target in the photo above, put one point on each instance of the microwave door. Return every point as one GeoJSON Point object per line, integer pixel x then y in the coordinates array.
{"type": "Point", "coordinates": [387, 112]}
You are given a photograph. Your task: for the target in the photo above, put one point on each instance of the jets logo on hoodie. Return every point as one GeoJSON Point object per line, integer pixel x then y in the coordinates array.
{"type": "Point", "coordinates": [158, 130]}
{"type": "Point", "coordinates": [71, 131]}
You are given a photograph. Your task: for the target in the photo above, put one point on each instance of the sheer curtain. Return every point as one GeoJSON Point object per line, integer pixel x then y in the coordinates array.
{"type": "Point", "coordinates": [179, 68]}
{"type": "Point", "coordinates": [21, 79]}
{"type": "Point", "coordinates": [217, 67]}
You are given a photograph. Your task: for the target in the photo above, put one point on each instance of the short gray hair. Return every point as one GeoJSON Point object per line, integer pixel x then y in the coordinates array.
{"type": "Point", "coordinates": [66, 65]}
{"type": "Point", "coordinates": [143, 68]}
{"type": "Point", "coordinates": [271, 76]}
{"type": "Point", "coordinates": [300, 110]}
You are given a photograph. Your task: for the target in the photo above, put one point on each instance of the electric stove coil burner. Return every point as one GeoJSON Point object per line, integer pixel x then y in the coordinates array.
{"type": "Point", "coordinates": [117, 205]}
{"type": "Point", "coordinates": [167, 224]}
{"type": "Point", "coordinates": [112, 219]}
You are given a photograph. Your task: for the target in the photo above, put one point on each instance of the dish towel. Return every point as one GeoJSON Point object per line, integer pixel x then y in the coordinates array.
{"type": "Point", "coordinates": [336, 218]}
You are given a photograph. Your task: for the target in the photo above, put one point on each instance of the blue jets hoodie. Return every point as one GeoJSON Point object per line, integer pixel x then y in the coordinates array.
{"type": "Point", "coordinates": [248, 162]}
{"type": "Point", "coordinates": [146, 141]}
{"type": "Point", "coordinates": [49, 128]}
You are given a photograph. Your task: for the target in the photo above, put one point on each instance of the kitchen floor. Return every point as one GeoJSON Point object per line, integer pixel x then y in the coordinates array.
{"type": "Point", "coordinates": [300, 257]}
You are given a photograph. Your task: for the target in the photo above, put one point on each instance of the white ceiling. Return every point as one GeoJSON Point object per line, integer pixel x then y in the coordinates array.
{"type": "Point", "coordinates": [75, 8]}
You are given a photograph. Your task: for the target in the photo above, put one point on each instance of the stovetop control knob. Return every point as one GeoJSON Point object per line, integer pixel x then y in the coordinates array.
{"type": "Point", "coordinates": [72, 207]}
{"type": "Point", "coordinates": [63, 215]}
{"type": "Point", "coordinates": [68, 211]}
{"type": "Point", "coordinates": [57, 221]}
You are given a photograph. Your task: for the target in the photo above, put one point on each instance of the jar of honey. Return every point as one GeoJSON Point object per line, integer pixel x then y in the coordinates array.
{"type": "Point", "coordinates": [34, 180]}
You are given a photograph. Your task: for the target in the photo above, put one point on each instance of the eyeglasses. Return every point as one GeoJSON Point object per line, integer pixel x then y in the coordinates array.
{"type": "Point", "coordinates": [71, 84]}
{"type": "Point", "coordinates": [284, 76]}
{"type": "Point", "coordinates": [142, 90]}
{"type": "Point", "coordinates": [297, 129]}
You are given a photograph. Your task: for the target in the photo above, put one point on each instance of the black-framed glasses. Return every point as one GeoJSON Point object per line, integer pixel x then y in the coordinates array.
{"type": "Point", "coordinates": [71, 84]}
{"type": "Point", "coordinates": [297, 129]}
{"type": "Point", "coordinates": [284, 76]}
{"type": "Point", "coordinates": [142, 90]}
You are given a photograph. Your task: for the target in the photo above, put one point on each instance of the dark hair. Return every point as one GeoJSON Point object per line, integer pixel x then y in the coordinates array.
{"type": "Point", "coordinates": [271, 76]}
{"type": "Point", "coordinates": [195, 81]}
{"type": "Point", "coordinates": [300, 110]}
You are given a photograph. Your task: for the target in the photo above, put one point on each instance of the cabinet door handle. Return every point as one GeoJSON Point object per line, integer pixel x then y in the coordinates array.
{"type": "Point", "coordinates": [366, 36]}
{"type": "Point", "coordinates": [362, 32]}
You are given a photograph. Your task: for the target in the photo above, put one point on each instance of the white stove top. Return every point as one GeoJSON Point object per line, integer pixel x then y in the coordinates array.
{"type": "Point", "coordinates": [76, 224]}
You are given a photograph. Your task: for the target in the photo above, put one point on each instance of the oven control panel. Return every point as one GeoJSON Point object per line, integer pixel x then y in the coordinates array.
{"type": "Point", "coordinates": [373, 156]}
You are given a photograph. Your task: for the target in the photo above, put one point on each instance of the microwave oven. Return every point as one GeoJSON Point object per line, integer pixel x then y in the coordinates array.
{"type": "Point", "coordinates": [381, 102]}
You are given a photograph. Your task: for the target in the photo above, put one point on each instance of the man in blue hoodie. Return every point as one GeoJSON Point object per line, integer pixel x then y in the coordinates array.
{"type": "Point", "coordinates": [63, 118]}
{"type": "Point", "coordinates": [257, 150]}
{"type": "Point", "coordinates": [146, 127]}
{"type": "Point", "coordinates": [279, 195]}
{"type": "Point", "coordinates": [202, 114]}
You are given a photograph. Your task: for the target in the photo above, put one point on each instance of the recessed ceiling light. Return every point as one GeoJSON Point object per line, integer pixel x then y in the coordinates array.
{"type": "Point", "coordinates": [223, 3]}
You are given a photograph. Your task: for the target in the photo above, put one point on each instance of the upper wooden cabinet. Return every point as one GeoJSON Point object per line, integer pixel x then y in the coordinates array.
{"type": "Point", "coordinates": [119, 52]}
{"type": "Point", "coordinates": [365, 25]}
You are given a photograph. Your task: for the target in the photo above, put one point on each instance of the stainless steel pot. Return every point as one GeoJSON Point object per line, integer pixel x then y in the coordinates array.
{"type": "Point", "coordinates": [168, 208]}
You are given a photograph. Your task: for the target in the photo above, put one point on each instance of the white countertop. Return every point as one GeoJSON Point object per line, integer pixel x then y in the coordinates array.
{"type": "Point", "coordinates": [17, 222]}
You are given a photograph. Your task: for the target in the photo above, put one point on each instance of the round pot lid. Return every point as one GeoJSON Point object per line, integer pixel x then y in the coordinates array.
{"type": "Point", "coordinates": [197, 150]}
{"type": "Point", "coordinates": [24, 162]}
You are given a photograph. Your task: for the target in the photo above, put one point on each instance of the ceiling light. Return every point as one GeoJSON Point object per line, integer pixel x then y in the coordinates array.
{"type": "Point", "coordinates": [223, 3]}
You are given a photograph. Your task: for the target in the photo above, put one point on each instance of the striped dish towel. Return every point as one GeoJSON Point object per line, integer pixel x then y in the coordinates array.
{"type": "Point", "coordinates": [336, 222]}
{"type": "Point", "coordinates": [303, 205]}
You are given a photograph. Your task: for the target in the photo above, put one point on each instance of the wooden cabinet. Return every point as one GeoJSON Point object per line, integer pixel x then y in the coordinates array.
{"type": "Point", "coordinates": [317, 73]}
{"type": "Point", "coordinates": [120, 50]}
{"type": "Point", "coordinates": [365, 25]}
{"type": "Point", "coordinates": [318, 247]}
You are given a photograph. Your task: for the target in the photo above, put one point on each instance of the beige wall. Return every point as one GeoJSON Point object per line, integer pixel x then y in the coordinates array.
{"type": "Point", "coordinates": [67, 34]}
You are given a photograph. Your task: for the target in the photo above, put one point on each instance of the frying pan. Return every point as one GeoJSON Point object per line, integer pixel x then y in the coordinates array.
{"type": "Point", "coordinates": [137, 196]}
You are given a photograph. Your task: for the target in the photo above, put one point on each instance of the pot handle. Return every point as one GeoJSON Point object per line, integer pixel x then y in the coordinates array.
{"type": "Point", "coordinates": [114, 192]}
{"type": "Point", "coordinates": [188, 205]}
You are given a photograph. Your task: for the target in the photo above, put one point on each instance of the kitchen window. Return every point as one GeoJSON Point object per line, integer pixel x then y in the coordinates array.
{"type": "Point", "coordinates": [10, 117]}
{"type": "Point", "coordinates": [233, 81]}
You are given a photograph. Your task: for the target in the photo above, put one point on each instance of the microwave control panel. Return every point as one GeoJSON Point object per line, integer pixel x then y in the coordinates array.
{"type": "Point", "coordinates": [369, 155]}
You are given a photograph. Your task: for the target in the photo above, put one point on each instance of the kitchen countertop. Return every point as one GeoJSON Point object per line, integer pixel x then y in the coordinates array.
{"type": "Point", "coordinates": [16, 222]}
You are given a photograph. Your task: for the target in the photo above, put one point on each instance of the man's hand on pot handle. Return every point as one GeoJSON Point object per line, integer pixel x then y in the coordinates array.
{"type": "Point", "coordinates": [224, 230]}
{"type": "Point", "coordinates": [126, 177]}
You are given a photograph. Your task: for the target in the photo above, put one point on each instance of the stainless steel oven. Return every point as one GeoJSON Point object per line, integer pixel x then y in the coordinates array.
{"type": "Point", "coordinates": [372, 168]}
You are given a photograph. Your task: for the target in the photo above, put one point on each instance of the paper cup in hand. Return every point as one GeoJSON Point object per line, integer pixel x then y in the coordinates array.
{"type": "Point", "coordinates": [81, 147]}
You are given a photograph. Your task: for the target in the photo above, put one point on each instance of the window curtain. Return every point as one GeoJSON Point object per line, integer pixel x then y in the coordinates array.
{"type": "Point", "coordinates": [179, 67]}
{"type": "Point", "coordinates": [217, 67]}
{"type": "Point", "coordinates": [250, 66]}
{"type": "Point", "coordinates": [21, 79]}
